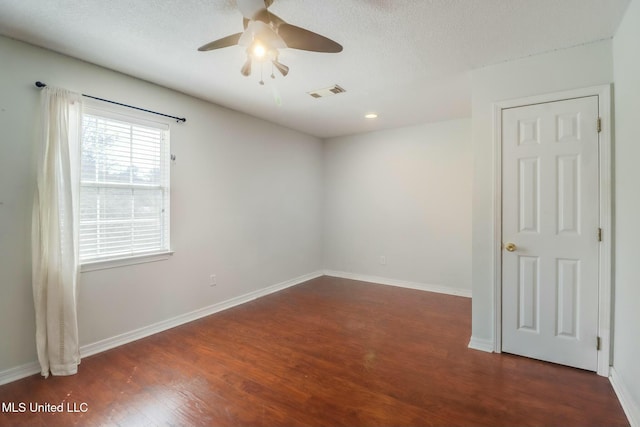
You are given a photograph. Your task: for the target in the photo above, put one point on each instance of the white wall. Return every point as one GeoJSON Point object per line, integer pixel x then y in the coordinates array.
{"type": "Point", "coordinates": [582, 66]}
{"type": "Point", "coordinates": [246, 205]}
{"type": "Point", "coordinates": [404, 194]}
{"type": "Point", "coordinates": [626, 354]}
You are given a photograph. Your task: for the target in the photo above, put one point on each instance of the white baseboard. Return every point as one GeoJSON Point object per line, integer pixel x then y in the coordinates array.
{"type": "Point", "coordinates": [19, 372]}
{"type": "Point", "coordinates": [29, 369]}
{"type": "Point", "coordinates": [629, 405]}
{"type": "Point", "coordinates": [109, 343]}
{"type": "Point", "coordinates": [401, 283]}
{"type": "Point", "coordinates": [481, 344]}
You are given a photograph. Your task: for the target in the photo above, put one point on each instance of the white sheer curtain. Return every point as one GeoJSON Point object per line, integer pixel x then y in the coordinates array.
{"type": "Point", "coordinates": [55, 232]}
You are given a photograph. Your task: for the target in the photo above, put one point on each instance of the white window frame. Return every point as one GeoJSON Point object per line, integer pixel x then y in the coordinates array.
{"type": "Point", "coordinates": [134, 117]}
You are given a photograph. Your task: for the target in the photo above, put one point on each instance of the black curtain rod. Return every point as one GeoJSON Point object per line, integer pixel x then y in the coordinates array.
{"type": "Point", "coordinates": [178, 119]}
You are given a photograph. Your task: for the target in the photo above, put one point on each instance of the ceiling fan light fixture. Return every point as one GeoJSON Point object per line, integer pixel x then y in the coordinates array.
{"type": "Point", "coordinates": [265, 34]}
{"type": "Point", "coordinates": [284, 70]}
{"type": "Point", "coordinates": [371, 116]}
{"type": "Point", "coordinates": [259, 51]}
{"type": "Point", "coordinates": [246, 68]}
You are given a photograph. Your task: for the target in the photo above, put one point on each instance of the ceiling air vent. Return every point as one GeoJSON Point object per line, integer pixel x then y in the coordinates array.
{"type": "Point", "coordinates": [328, 91]}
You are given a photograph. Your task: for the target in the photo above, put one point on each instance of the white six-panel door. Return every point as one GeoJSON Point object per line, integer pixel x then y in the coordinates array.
{"type": "Point", "coordinates": [550, 220]}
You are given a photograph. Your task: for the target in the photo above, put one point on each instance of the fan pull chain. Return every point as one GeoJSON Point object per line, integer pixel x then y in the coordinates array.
{"type": "Point", "coordinates": [261, 79]}
{"type": "Point", "coordinates": [273, 76]}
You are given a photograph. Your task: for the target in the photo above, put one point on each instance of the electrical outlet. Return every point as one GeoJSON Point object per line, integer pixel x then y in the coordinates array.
{"type": "Point", "coordinates": [212, 280]}
{"type": "Point", "coordinates": [383, 260]}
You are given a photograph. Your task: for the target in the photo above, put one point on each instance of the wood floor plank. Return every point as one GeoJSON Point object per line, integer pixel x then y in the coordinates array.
{"type": "Point", "coordinates": [329, 352]}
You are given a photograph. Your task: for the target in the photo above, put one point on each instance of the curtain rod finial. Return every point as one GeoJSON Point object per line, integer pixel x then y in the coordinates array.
{"type": "Point", "coordinates": [40, 84]}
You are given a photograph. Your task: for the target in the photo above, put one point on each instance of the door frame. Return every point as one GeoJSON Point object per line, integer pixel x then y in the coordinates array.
{"type": "Point", "coordinates": [605, 186]}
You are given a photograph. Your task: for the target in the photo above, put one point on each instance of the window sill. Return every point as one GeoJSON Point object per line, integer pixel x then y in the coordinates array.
{"type": "Point", "coordinates": [122, 262]}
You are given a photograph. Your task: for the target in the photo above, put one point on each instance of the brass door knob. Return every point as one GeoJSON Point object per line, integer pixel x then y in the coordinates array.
{"type": "Point", "coordinates": [510, 247]}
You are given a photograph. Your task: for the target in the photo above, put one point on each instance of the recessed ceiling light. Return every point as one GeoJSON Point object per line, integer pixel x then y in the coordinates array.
{"type": "Point", "coordinates": [370, 116]}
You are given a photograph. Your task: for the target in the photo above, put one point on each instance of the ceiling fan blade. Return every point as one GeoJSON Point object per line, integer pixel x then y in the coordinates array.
{"type": "Point", "coordinates": [299, 38]}
{"type": "Point", "coordinates": [284, 70]}
{"type": "Point", "coordinates": [268, 18]}
{"type": "Point", "coordinates": [231, 40]}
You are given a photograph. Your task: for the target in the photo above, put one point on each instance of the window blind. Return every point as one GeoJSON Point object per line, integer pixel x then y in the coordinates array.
{"type": "Point", "coordinates": [124, 187]}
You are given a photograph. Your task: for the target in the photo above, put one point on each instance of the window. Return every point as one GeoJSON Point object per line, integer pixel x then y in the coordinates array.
{"type": "Point", "coordinates": [124, 187]}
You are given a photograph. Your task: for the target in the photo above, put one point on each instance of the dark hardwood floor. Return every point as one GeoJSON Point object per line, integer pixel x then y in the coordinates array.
{"type": "Point", "coordinates": [329, 352]}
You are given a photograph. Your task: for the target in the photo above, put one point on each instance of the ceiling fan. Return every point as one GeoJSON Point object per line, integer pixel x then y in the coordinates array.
{"type": "Point", "coordinates": [265, 33]}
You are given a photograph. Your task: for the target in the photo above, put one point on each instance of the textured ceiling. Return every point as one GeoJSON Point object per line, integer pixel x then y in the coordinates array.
{"type": "Point", "coordinates": [407, 60]}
